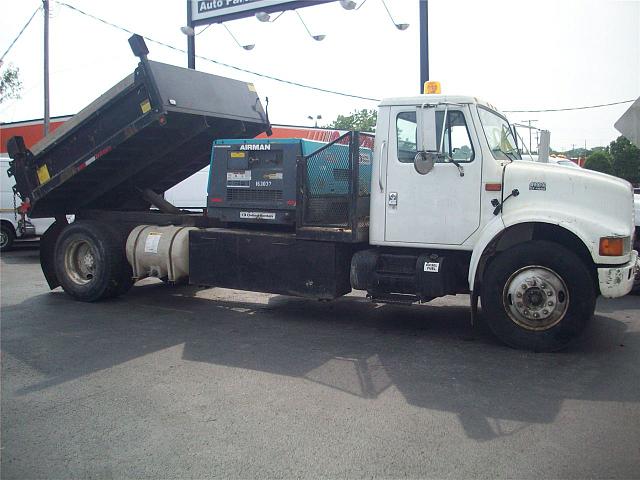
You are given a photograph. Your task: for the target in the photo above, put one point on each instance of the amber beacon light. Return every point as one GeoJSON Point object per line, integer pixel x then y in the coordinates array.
{"type": "Point", "coordinates": [431, 88]}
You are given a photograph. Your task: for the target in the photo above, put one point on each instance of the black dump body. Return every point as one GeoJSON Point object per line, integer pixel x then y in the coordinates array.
{"type": "Point", "coordinates": [150, 131]}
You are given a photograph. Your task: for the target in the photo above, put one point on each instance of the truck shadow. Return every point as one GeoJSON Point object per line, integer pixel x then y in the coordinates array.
{"type": "Point", "coordinates": [430, 354]}
{"type": "Point", "coordinates": [26, 253]}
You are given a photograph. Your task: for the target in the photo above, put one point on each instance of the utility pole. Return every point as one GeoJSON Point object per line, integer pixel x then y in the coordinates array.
{"type": "Point", "coordinates": [529, 122]}
{"type": "Point", "coordinates": [45, 7]}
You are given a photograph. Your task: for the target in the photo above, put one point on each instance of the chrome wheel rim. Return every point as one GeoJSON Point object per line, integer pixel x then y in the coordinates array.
{"type": "Point", "coordinates": [536, 298]}
{"type": "Point", "coordinates": [80, 262]}
{"type": "Point", "coordinates": [4, 239]}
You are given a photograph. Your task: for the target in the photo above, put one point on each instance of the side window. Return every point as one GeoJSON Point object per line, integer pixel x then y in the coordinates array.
{"type": "Point", "coordinates": [457, 143]}
{"type": "Point", "coordinates": [406, 135]}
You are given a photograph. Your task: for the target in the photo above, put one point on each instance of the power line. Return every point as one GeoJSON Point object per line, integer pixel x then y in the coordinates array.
{"type": "Point", "coordinates": [569, 108]}
{"type": "Point", "coordinates": [302, 85]}
{"type": "Point", "coordinates": [19, 34]}
{"type": "Point", "coordinates": [217, 62]}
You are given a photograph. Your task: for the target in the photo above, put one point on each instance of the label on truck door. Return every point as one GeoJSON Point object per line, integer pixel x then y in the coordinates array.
{"type": "Point", "coordinates": [431, 267]}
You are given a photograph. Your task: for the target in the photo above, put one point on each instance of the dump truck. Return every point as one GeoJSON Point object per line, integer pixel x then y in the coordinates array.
{"type": "Point", "coordinates": [438, 202]}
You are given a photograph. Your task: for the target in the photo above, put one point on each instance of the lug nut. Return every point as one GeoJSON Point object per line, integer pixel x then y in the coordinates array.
{"type": "Point", "coordinates": [519, 294]}
{"type": "Point", "coordinates": [550, 304]}
{"type": "Point", "coordinates": [549, 294]}
{"type": "Point", "coordinates": [526, 312]}
{"type": "Point", "coordinates": [545, 312]}
{"type": "Point", "coordinates": [524, 286]}
{"type": "Point", "coordinates": [535, 315]}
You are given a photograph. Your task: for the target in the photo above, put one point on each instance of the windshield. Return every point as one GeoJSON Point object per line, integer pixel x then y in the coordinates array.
{"type": "Point", "coordinates": [499, 135]}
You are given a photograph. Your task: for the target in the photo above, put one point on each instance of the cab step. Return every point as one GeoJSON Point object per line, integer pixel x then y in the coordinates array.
{"type": "Point", "coordinates": [395, 298]}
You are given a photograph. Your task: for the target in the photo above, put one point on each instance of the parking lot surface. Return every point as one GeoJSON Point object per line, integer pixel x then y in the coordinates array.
{"type": "Point", "coordinates": [172, 382]}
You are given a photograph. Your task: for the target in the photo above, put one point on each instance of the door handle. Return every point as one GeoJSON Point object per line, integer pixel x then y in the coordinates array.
{"type": "Point", "coordinates": [382, 148]}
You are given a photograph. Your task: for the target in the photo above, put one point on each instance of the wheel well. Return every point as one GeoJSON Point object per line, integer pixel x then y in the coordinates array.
{"type": "Point", "coordinates": [8, 224]}
{"type": "Point", "coordinates": [537, 231]}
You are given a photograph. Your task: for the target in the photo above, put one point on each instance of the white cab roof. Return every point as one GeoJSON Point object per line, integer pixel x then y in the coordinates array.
{"type": "Point", "coordinates": [420, 99]}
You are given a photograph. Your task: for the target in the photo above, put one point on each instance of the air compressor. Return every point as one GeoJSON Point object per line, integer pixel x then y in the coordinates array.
{"type": "Point", "coordinates": [255, 180]}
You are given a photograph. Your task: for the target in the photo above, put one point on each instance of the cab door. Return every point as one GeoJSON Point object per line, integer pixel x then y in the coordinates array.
{"type": "Point", "coordinates": [441, 207]}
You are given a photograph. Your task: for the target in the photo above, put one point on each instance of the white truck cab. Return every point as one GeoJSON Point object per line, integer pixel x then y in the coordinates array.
{"type": "Point", "coordinates": [447, 177]}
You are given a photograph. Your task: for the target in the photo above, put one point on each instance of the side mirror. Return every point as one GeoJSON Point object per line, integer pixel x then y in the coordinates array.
{"type": "Point", "coordinates": [423, 162]}
{"type": "Point", "coordinates": [426, 130]}
{"type": "Point", "coordinates": [544, 147]}
{"type": "Point", "coordinates": [427, 154]}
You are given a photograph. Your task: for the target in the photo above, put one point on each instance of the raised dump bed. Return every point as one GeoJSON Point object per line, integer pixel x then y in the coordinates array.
{"type": "Point", "coordinates": [149, 132]}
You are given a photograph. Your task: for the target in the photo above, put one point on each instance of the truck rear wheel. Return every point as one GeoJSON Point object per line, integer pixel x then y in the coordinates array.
{"type": "Point", "coordinates": [90, 261]}
{"type": "Point", "coordinates": [7, 237]}
{"type": "Point", "coordinates": [537, 296]}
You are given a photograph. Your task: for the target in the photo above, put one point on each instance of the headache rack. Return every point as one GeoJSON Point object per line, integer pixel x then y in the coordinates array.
{"type": "Point", "coordinates": [334, 188]}
{"type": "Point", "coordinates": [146, 134]}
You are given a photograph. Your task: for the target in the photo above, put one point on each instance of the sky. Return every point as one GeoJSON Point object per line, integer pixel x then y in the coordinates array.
{"type": "Point", "coordinates": [517, 55]}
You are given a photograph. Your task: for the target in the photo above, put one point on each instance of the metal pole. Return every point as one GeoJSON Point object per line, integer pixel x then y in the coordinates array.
{"type": "Point", "coordinates": [191, 40]}
{"type": "Point", "coordinates": [424, 43]}
{"type": "Point", "coordinates": [45, 6]}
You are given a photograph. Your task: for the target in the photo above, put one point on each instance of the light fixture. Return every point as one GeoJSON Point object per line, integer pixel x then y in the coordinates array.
{"type": "Point", "coordinates": [266, 18]}
{"type": "Point", "coordinates": [348, 4]}
{"type": "Point", "coordinates": [246, 47]}
{"type": "Point", "coordinates": [399, 26]}
{"type": "Point", "coordinates": [188, 31]}
{"type": "Point", "coordinates": [317, 38]}
{"type": "Point", "coordinates": [263, 16]}
{"type": "Point", "coordinates": [191, 32]}
{"type": "Point", "coordinates": [316, 118]}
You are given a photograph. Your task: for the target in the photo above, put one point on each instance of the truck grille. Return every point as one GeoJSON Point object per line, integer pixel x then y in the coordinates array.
{"type": "Point", "coordinates": [252, 195]}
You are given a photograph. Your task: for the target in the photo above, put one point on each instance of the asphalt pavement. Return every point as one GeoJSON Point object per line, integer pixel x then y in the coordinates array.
{"type": "Point", "coordinates": [179, 382]}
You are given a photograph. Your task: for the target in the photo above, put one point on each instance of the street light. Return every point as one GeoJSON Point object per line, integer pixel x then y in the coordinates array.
{"type": "Point", "coordinates": [318, 117]}
{"type": "Point", "coordinates": [399, 26]}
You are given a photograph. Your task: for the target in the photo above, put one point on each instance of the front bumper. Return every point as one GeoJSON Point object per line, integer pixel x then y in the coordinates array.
{"type": "Point", "coordinates": [618, 281]}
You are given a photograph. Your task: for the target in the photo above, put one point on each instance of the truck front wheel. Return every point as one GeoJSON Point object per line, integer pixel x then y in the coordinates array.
{"type": "Point", "coordinates": [537, 296]}
{"type": "Point", "coordinates": [90, 261]}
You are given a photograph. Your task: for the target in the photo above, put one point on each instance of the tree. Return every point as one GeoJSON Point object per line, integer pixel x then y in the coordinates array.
{"type": "Point", "coordinates": [362, 120]}
{"type": "Point", "coordinates": [600, 162]}
{"type": "Point", "coordinates": [10, 84]}
{"type": "Point", "coordinates": [625, 159]}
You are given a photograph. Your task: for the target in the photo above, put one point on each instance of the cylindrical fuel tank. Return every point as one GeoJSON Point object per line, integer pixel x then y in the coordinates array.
{"type": "Point", "coordinates": [161, 252]}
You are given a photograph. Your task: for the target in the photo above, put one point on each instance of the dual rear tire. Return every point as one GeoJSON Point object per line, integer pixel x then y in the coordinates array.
{"type": "Point", "coordinates": [90, 261]}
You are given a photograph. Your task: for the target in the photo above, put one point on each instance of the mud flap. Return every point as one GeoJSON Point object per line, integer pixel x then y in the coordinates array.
{"type": "Point", "coordinates": [47, 252]}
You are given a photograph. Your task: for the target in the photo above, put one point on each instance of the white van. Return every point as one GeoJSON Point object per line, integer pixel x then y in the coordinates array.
{"type": "Point", "coordinates": [11, 226]}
